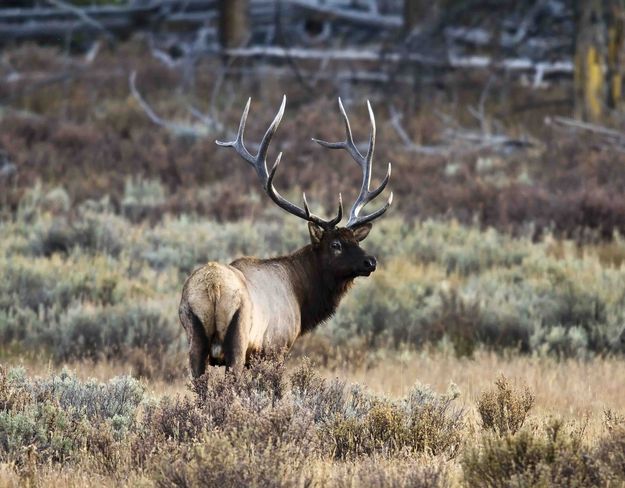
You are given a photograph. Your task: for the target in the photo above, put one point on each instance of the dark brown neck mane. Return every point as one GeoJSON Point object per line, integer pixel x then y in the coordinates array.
{"type": "Point", "coordinates": [318, 291]}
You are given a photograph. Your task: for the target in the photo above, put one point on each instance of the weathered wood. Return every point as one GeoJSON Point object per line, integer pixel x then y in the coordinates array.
{"type": "Point", "coordinates": [457, 62]}
{"type": "Point", "coordinates": [412, 15]}
{"type": "Point", "coordinates": [233, 23]}
{"type": "Point", "coordinates": [609, 136]}
{"type": "Point", "coordinates": [599, 58]}
{"type": "Point", "coordinates": [357, 17]}
{"type": "Point", "coordinates": [58, 30]}
{"type": "Point", "coordinates": [261, 20]}
{"type": "Point", "coordinates": [55, 24]}
{"type": "Point", "coordinates": [17, 15]}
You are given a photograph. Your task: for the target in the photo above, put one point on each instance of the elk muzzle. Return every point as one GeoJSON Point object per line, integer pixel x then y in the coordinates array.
{"type": "Point", "coordinates": [368, 265]}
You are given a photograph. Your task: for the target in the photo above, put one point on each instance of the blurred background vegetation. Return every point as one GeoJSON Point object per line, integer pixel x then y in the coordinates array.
{"type": "Point", "coordinates": [84, 281]}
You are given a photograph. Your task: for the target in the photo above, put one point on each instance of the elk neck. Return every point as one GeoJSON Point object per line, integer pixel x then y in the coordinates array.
{"type": "Point", "coordinates": [318, 290]}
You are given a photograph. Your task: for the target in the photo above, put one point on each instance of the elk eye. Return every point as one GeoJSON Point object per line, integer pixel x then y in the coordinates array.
{"type": "Point", "coordinates": [336, 245]}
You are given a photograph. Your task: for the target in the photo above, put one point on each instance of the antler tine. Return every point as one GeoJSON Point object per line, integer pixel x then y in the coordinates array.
{"type": "Point", "coordinates": [264, 143]}
{"type": "Point", "coordinates": [259, 162]}
{"type": "Point", "coordinates": [348, 144]}
{"type": "Point", "coordinates": [372, 216]}
{"type": "Point", "coordinates": [304, 213]}
{"type": "Point", "coordinates": [331, 223]}
{"type": "Point", "coordinates": [365, 162]}
{"type": "Point", "coordinates": [238, 144]}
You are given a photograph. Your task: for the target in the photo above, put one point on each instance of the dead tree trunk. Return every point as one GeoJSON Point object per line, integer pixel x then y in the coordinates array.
{"type": "Point", "coordinates": [413, 12]}
{"type": "Point", "coordinates": [233, 23]}
{"type": "Point", "coordinates": [599, 58]}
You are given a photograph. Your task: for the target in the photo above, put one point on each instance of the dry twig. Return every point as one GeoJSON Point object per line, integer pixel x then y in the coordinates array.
{"type": "Point", "coordinates": [614, 138]}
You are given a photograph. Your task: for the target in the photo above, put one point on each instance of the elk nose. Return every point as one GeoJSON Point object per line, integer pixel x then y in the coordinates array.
{"type": "Point", "coordinates": [370, 263]}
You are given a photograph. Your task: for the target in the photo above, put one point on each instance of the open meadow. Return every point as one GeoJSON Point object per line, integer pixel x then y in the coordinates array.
{"type": "Point", "coordinates": [412, 419]}
{"type": "Point", "coordinates": [487, 349]}
{"type": "Point", "coordinates": [470, 358]}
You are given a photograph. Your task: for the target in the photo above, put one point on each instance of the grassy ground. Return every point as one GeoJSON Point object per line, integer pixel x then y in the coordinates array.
{"type": "Point", "coordinates": [569, 388]}
{"type": "Point", "coordinates": [584, 394]}
{"type": "Point", "coordinates": [464, 310]}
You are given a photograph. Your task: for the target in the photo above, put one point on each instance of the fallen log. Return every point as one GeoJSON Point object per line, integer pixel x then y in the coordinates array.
{"type": "Point", "coordinates": [612, 137]}
{"type": "Point", "coordinates": [357, 17]}
{"type": "Point", "coordinates": [50, 24]}
{"type": "Point", "coordinates": [58, 30]}
{"type": "Point", "coordinates": [452, 61]}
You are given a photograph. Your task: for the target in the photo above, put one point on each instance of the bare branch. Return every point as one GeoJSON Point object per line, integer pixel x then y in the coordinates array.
{"type": "Point", "coordinates": [373, 19]}
{"type": "Point", "coordinates": [82, 15]}
{"type": "Point", "coordinates": [452, 61]}
{"type": "Point", "coordinates": [177, 129]}
{"type": "Point", "coordinates": [409, 145]}
{"type": "Point", "coordinates": [613, 137]}
{"type": "Point", "coordinates": [526, 23]}
{"type": "Point", "coordinates": [460, 139]}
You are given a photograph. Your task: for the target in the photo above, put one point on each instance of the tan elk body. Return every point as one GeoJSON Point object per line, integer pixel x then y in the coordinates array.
{"type": "Point", "coordinates": [261, 306]}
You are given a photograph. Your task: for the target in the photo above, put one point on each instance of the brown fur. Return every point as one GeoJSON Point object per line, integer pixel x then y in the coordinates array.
{"type": "Point", "coordinates": [318, 291]}
{"type": "Point", "coordinates": [263, 305]}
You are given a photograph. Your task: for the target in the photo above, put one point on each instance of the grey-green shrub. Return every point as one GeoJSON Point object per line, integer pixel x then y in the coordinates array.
{"type": "Point", "coordinates": [438, 281]}
{"type": "Point", "coordinates": [93, 232]}
{"type": "Point", "coordinates": [118, 397]}
{"type": "Point", "coordinates": [266, 427]}
{"type": "Point", "coordinates": [554, 456]}
{"type": "Point", "coordinates": [96, 332]}
{"type": "Point", "coordinates": [141, 197]}
{"type": "Point", "coordinates": [54, 418]}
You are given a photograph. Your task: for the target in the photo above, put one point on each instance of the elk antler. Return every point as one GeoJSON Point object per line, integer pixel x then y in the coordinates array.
{"type": "Point", "coordinates": [259, 163]}
{"type": "Point", "coordinates": [364, 162]}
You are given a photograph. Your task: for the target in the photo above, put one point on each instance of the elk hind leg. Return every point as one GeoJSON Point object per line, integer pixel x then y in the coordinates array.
{"type": "Point", "coordinates": [236, 342]}
{"type": "Point", "coordinates": [198, 342]}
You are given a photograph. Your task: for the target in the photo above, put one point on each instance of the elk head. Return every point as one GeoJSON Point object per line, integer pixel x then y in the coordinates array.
{"type": "Point", "coordinates": [337, 249]}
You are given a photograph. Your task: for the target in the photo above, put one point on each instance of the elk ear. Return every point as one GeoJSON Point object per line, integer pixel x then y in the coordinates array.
{"type": "Point", "coordinates": [316, 233]}
{"type": "Point", "coordinates": [362, 231]}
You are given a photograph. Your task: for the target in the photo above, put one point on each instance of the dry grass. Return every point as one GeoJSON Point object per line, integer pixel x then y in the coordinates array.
{"type": "Point", "coordinates": [577, 392]}
{"type": "Point", "coordinates": [569, 388]}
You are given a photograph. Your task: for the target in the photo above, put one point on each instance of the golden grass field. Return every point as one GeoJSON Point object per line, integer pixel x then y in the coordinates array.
{"type": "Point", "coordinates": [453, 308]}
{"type": "Point", "coordinates": [570, 388]}
{"type": "Point", "coordinates": [580, 392]}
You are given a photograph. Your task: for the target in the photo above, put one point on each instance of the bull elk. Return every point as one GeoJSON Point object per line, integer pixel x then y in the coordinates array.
{"type": "Point", "coordinates": [261, 306]}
